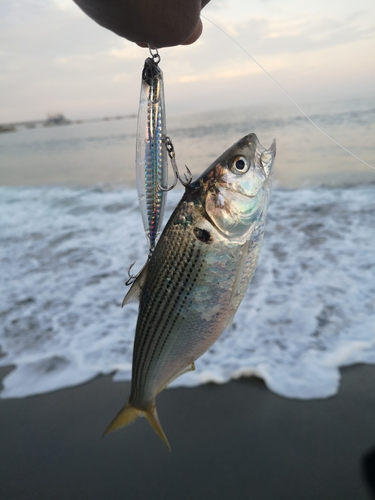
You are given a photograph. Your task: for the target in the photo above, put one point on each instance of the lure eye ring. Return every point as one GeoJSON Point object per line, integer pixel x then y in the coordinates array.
{"type": "Point", "coordinates": [239, 165]}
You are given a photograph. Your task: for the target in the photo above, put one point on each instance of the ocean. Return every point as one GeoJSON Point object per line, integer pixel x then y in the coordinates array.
{"type": "Point", "coordinates": [71, 226]}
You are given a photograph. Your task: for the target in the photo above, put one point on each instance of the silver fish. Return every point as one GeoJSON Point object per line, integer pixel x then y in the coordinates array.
{"type": "Point", "coordinates": [191, 287]}
{"type": "Point", "coordinates": [151, 154]}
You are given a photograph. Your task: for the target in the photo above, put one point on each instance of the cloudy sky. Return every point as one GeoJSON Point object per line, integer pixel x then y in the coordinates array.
{"type": "Point", "coordinates": [53, 58]}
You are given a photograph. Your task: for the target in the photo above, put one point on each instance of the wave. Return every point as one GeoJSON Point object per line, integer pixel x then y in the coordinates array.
{"type": "Point", "coordinates": [65, 253]}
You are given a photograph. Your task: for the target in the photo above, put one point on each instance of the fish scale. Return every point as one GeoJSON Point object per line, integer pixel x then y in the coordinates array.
{"type": "Point", "coordinates": [198, 273]}
{"type": "Point", "coordinates": [157, 299]}
{"type": "Point", "coordinates": [175, 311]}
{"type": "Point", "coordinates": [165, 309]}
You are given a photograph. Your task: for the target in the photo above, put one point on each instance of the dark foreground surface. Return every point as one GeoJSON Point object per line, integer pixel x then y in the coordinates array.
{"type": "Point", "coordinates": [236, 441]}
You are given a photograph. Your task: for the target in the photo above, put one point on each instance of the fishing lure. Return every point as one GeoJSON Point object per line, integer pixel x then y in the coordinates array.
{"type": "Point", "coordinates": [151, 154]}
{"type": "Point", "coordinates": [153, 149]}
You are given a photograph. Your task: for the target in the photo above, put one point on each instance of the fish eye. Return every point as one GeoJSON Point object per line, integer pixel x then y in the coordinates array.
{"type": "Point", "coordinates": [239, 165]}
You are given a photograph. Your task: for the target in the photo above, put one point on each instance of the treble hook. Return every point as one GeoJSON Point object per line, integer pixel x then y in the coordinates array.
{"type": "Point", "coordinates": [132, 277]}
{"type": "Point", "coordinates": [162, 188]}
{"type": "Point", "coordinates": [171, 153]}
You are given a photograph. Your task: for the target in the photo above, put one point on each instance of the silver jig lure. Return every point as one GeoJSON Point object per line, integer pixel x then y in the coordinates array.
{"type": "Point", "coordinates": [151, 154]}
{"type": "Point", "coordinates": [153, 149]}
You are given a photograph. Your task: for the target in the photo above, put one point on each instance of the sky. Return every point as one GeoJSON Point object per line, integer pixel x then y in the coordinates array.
{"type": "Point", "coordinates": [53, 58]}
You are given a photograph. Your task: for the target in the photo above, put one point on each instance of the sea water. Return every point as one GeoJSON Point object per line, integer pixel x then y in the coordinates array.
{"type": "Point", "coordinates": [67, 242]}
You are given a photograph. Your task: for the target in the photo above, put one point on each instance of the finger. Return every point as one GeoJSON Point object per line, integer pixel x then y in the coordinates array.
{"type": "Point", "coordinates": [195, 35]}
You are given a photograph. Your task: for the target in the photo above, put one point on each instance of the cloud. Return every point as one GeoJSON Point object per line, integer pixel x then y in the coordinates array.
{"type": "Point", "coordinates": [298, 33]}
{"type": "Point", "coordinates": [126, 51]}
{"type": "Point", "coordinates": [66, 6]}
{"type": "Point", "coordinates": [52, 56]}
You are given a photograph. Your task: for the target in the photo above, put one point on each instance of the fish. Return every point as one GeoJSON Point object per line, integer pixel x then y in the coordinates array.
{"type": "Point", "coordinates": [151, 153]}
{"type": "Point", "coordinates": [192, 285]}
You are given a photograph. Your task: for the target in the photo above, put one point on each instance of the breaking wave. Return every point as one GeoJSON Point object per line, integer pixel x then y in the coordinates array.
{"type": "Point", "coordinates": [65, 253]}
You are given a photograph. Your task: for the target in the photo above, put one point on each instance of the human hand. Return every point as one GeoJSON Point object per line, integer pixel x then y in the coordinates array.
{"type": "Point", "coordinates": [158, 23]}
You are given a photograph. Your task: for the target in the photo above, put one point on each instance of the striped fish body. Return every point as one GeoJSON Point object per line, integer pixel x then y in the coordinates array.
{"type": "Point", "coordinates": [151, 154]}
{"type": "Point", "coordinates": [198, 273]}
{"type": "Point", "coordinates": [187, 299]}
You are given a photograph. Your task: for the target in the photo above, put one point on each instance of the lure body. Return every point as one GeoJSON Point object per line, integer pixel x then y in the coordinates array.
{"type": "Point", "coordinates": [191, 287]}
{"type": "Point", "coordinates": [151, 154]}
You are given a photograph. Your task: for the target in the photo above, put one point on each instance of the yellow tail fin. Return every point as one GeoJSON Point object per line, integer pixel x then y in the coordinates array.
{"type": "Point", "coordinates": [128, 414]}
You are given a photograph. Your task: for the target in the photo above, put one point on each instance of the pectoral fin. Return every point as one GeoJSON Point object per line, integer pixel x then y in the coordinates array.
{"type": "Point", "coordinates": [237, 287]}
{"type": "Point", "coordinates": [239, 275]}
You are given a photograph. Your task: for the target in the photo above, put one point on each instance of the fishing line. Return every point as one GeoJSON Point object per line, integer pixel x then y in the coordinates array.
{"type": "Point", "coordinates": [288, 95]}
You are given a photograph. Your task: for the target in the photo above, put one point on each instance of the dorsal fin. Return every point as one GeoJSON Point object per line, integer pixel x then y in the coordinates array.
{"type": "Point", "coordinates": [236, 288]}
{"type": "Point", "coordinates": [136, 289]}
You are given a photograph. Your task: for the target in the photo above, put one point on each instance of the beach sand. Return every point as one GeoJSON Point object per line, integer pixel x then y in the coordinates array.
{"type": "Point", "coordinates": [232, 441]}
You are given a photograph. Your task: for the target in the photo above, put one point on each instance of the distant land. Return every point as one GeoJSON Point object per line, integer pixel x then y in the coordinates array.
{"type": "Point", "coordinates": [56, 119]}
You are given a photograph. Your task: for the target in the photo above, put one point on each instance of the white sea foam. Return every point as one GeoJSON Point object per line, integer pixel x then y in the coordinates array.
{"type": "Point", "coordinates": [65, 252]}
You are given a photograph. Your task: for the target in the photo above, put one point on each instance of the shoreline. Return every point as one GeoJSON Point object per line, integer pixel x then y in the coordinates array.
{"type": "Point", "coordinates": [236, 440]}
{"type": "Point", "coordinates": [348, 180]}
